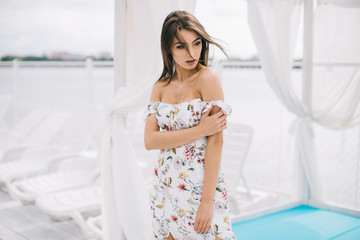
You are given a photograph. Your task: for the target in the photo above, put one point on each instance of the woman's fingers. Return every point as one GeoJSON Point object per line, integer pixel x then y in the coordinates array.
{"type": "Point", "coordinates": [208, 225]}
{"type": "Point", "coordinates": [201, 227]}
{"type": "Point", "coordinates": [196, 225]}
{"type": "Point", "coordinates": [204, 226]}
{"type": "Point", "coordinates": [218, 114]}
{"type": "Point", "coordinates": [208, 111]}
{"type": "Point", "coordinates": [223, 120]}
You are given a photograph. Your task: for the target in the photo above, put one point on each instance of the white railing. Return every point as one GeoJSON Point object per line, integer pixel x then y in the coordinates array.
{"type": "Point", "coordinates": [94, 63]}
{"type": "Point", "coordinates": [88, 62]}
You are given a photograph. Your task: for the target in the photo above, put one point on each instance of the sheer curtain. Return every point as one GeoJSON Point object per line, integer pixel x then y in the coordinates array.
{"type": "Point", "coordinates": [336, 70]}
{"type": "Point", "coordinates": [274, 25]}
{"type": "Point", "coordinates": [335, 90]}
{"type": "Point", "coordinates": [125, 208]}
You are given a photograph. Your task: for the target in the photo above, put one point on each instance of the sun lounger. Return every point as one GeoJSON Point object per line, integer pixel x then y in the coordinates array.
{"type": "Point", "coordinates": [41, 136]}
{"type": "Point", "coordinates": [26, 124]}
{"type": "Point", "coordinates": [73, 138]}
{"type": "Point", "coordinates": [237, 140]}
{"type": "Point", "coordinates": [75, 204]}
{"type": "Point", "coordinates": [31, 166]}
{"type": "Point", "coordinates": [68, 173]}
{"type": "Point", "coordinates": [78, 204]}
{"type": "Point", "coordinates": [95, 226]}
{"type": "Point", "coordinates": [16, 136]}
{"type": "Point", "coordinates": [5, 100]}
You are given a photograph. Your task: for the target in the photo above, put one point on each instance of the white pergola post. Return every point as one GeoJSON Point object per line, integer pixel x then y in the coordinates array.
{"type": "Point", "coordinates": [15, 66]}
{"type": "Point", "coordinates": [120, 44]}
{"type": "Point", "coordinates": [90, 81]}
{"type": "Point", "coordinates": [307, 62]}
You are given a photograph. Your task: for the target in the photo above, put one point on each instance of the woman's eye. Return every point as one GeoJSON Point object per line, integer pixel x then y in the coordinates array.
{"type": "Point", "coordinates": [180, 46]}
{"type": "Point", "coordinates": [197, 43]}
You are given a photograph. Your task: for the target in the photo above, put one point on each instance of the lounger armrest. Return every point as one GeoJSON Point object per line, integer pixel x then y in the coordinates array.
{"type": "Point", "coordinates": [95, 225]}
{"type": "Point", "coordinates": [73, 163]}
{"type": "Point", "coordinates": [59, 158]}
{"type": "Point", "coordinates": [17, 194]}
{"type": "Point", "coordinates": [40, 151]}
{"type": "Point", "coordinates": [14, 153]}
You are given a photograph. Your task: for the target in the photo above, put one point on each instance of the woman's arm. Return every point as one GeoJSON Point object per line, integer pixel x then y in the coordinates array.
{"type": "Point", "coordinates": [211, 90]}
{"type": "Point", "coordinates": [212, 165]}
{"type": "Point", "coordinates": [156, 139]}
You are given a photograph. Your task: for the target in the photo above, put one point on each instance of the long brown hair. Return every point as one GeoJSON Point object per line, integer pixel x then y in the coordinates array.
{"type": "Point", "coordinates": [173, 23]}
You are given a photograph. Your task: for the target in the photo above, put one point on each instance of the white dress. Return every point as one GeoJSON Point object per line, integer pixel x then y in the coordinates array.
{"type": "Point", "coordinates": [178, 177]}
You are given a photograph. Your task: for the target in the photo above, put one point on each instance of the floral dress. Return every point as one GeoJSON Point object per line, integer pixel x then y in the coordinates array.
{"type": "Point", "coordinates": [178, 177]}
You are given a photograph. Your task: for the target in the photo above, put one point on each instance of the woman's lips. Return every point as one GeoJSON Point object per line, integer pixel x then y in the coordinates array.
{"type": "Point", "coordinates": [191, 62]}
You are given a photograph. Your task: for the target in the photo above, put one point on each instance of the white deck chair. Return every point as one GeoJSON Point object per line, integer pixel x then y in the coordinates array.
{"type": "Point", "coordinates": [71, 140]}
{"type": "Point", "coordinates": [73, 172]}
{"type": "Point", "coordinates": [70, 130]}
{"type": "Point", "coordinates": [78, 204]}
{"type": "Point", "coordinates": [25, 126]}
{"type": "Point", "coordinates": [5, 100]}
{"type": "Point", "coordinates": [237, 140]}
{"type": "Point", "coordinates": [32, 164]}
{"type": "Point", "coordinates": [95, 226]}
{"type": "Point", "coordinates": [94, 223]}
{"type": "Point", "coordinates": [77, 133]}
{"type": "Point", "coordinates": [40, 136]}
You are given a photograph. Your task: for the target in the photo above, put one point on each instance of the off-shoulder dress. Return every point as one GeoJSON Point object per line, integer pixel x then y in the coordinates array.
{"type": "Point", "coordinates": [178, 177]}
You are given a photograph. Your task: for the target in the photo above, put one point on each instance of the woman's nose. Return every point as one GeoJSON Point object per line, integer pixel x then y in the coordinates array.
{"type": "Point", "coordinates": [191, 52]}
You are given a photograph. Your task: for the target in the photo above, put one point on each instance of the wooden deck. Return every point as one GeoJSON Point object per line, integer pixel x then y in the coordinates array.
{"type": "Point", "coordinates": [19, 222]}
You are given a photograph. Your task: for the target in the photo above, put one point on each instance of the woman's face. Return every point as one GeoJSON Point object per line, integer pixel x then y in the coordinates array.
{"type": "Point", "coordinates": [180, 55]}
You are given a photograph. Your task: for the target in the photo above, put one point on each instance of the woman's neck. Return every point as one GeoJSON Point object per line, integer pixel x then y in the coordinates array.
{"type": "Point", "coordinates": [182, 74]}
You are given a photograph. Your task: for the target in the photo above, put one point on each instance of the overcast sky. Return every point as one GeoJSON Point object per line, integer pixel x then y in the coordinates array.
{"type": "Point", "coordinates": [86, 26]}
{"type": "Point", "coordinates": [36, 27]}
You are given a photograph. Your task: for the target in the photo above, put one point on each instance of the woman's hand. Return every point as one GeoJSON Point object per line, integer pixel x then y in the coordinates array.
{"type": "Point", "coordinates": [212, 124]}
{"type": "Point", "coordinates": [204, 217]}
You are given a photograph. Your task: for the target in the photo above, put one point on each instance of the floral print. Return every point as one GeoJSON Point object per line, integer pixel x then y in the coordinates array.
{"type": "Point", "coordinates": [179, 176]}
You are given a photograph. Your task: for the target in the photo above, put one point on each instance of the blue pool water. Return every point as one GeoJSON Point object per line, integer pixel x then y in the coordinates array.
{"type": "Point", "coordinates": [300, 223]}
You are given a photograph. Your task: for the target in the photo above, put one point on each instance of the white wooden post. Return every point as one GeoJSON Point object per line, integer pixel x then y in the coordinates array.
{"type": "Point", "coordinates": [120, 45]}
{"type": "Point", "coordinates": [15, 65]}
{"type": "Point", "coordinates": [89, 70]}
{"type": "Point", "coordinates": [307, 75]}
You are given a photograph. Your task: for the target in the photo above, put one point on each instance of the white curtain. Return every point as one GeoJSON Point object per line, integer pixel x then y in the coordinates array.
{"type": "Point", "coordinates": [125, 207]}
{"type": "Point", "coordinates": [274, 25]}
{"type": "Point", "coordinates": [336, 77]}
{"type": "Point", "coordinates": [336, 70]}
{"type": "Point", "coordinates": [143, 28]}
{"type": "Point", "coordinates": [343, 3]}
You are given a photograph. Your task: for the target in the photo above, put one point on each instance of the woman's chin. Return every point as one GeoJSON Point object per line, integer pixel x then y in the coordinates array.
{"type": "Point", "coordinates": [190, 67]}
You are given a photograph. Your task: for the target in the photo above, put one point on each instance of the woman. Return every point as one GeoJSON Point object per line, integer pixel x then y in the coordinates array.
{"type": "Point", "coordinates": [189, 196]}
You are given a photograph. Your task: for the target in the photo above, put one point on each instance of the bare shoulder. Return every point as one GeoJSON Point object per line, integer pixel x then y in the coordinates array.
{"type": "Point", "coordinates": [156, 91]}
{"type": "Point", "coordinates": [207, 72]}
{"type": "Point", "coordinates": [210, 85]}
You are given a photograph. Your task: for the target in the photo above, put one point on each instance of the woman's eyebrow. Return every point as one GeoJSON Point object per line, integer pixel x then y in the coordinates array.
{"type": "Point", "coordinates": [185, 43]}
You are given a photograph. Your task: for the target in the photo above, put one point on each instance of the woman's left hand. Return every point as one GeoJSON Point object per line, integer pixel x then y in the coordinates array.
{"type": "Point", "coordinates": [203, 217]}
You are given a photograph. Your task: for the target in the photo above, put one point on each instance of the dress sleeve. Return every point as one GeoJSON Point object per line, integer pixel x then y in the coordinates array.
{"type": "Point", "coordinates": [220, 103]}
{"type": "Point", "coordinates": [150, 109]}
